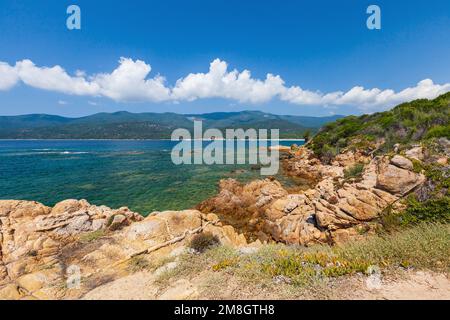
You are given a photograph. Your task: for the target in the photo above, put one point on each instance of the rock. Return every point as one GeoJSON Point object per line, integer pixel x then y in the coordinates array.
{"type": "Point", "coordinates": [415, 153]}
{"type": "Point", "coordinates": [33, 235]}
{"type": "Point", "coordinates": [32, 282]}
{"type": "Point", "coordinates": [69, 206]}
{"type": "Point", "coordinates": [402, 162]}
{"type": "Point", "coordinates": [22, 209]}
{"type": "Point", "coordinates": [280, 148]}
{"type": "Point", "coordinates": [396, 180]}
{"type": "Point", "coordinates": [117, 222]}
{"type": "Point", "coordinates": [227, 235]}
{"type": "Point", "coordinates": [180, 290]}
{"type": "Point", "coordinates": [10, 292]}
{"type": "Point", "coordinates": [396, 147]}
{"type": "Point", "coordinates": [350, 158]}
{"type": "Point", "coordinates": [98, 224]}
{"type": "Point", "coordinates": [326, 189]}
{"type": "Point", "coordinates": [443, 161]}
{"type": "Point", "coordinates": [248, 250]}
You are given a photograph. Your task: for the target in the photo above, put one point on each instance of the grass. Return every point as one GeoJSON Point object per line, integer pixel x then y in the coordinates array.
{"type": "Point", "coordinates": [354, 172]}
{"type": "Point", "coordinates": [91, 236]}
{"type": "Point", "coordinates": [423, 246]}
{"type": "Point", "coordinates": [138, 263]}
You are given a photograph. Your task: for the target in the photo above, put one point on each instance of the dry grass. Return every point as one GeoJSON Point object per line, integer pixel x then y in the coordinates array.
{"type": "Point", "coordinates": [91, 236]}
{"type": "Point", "coordinates": [425, 246]}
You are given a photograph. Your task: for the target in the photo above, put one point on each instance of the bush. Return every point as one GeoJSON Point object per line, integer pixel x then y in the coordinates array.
{"type": "Point", "coordinates": [354, 172]}
{"type": "Point", "coordinates": [203, 241]}
{"type": "Point", "coordinates": [433, 210]}
{"type": "Point", "coordinates": [409, 122]}
{"type": "Point", "coordinates": [439, 131]}
{"type": "Point", "coordinates": [138, 263]}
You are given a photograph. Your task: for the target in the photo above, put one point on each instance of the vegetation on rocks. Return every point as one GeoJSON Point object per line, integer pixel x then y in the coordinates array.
{"type": "Point", "coordinates": [424, 246]}
{"type": "Point", "coordinates": [202, 241]}
{"type": "Point", "coordinates": [405, 124]}
{"type": "Point", "coordinates": [354, 172]}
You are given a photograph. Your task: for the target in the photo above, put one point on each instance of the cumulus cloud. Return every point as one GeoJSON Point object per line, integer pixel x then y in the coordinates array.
{"type": "Point", "coordinates": [221, 83]}
{"type": "Point", "coordinates": [8, 76]}
{"type": "Point", "coordinates": [54, 79]}
{"type": "Point", "coordinates": [131, 81]}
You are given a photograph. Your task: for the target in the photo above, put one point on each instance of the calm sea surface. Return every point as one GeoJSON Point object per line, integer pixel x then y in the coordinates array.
{"type": "Point", "coordinates": [137, 174]}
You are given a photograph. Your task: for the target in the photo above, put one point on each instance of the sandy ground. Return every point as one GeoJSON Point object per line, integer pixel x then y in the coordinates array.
{"type": "Point", "coordinates": [408, 285]}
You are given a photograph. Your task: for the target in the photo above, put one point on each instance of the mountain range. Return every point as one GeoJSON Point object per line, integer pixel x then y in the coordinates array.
{"type": "Point", "coordinates": [126, 125]}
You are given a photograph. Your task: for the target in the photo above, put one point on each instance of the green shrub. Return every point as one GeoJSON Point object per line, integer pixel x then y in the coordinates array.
{"type": "Point", "coordinates": [203, 241]}
{"type": "Point", "coordinates": [439, 131]}
{"type": "Point", "coordinates": [433, 210]}
{"type": "Point", "coordinates": [354, 172]}
{"type": "Point", "coordinates": [409, 122]}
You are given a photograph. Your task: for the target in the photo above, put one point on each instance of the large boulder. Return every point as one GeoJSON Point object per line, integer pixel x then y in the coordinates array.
{"type": "Point", "coordinates": [32, 235]}
{"type": "Point", "coordinates": [402, 162]}
{"type": "Point", "coordinates": [396, 180]}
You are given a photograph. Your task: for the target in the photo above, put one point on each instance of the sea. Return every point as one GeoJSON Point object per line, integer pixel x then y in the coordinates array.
{"type": "Point", "coordinates": [138, 174]}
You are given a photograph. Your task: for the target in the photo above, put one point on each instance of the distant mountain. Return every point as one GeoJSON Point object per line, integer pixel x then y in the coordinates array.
{"type": "Point", "coordinates": [126, 125]}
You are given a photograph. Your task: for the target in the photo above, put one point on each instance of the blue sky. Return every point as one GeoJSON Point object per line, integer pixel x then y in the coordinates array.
{"type": "Point", "coordinates": [320, 50]}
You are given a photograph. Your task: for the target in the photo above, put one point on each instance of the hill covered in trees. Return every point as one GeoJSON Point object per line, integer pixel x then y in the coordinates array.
{"type": "Point", "coordinates": [126, 125]}
{"type": "Point", "coordinates": [408, 123]}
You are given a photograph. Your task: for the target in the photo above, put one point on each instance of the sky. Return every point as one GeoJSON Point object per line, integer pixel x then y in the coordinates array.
{"type": "Point", "coordinates": [284, 57]}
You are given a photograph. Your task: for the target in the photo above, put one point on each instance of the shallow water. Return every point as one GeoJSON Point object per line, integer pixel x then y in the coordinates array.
{"type": "Point", "coordinates": [137, 174]}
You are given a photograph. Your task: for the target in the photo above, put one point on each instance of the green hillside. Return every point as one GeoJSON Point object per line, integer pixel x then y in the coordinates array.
{"type": "Point", "coordinates": [126, 125]}
{"type": "Point", "coordinates": [405, 124]}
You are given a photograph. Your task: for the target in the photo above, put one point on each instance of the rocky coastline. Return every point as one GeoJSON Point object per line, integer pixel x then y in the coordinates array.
{"type": "Point", "coordinates": [39, 245]}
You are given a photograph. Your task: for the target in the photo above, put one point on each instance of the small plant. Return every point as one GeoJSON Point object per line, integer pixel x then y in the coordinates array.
{"type": "Point", "coordinates": [433, 210]}
{"type": "Point", "coordinates": [307, 135]}
{"type": "Point", "coordinates": [138, 263]}
{"type": "Point", "coordinates": [33, 253]}
{"type": "Point", "coordinates": [225, 263]}
{"type": "Point", "coordinates": [91, 236]}
{"type": "Point", "coordinates": [354, 172]}
{"type": "Point", "coordinates": [203, 241]}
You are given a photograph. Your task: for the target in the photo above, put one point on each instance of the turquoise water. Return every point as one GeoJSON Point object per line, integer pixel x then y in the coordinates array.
{"type": "Point", "coordinates": [137, 174]}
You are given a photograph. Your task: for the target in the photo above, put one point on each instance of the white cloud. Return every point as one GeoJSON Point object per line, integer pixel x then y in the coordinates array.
{"type": "Point", "coordinates": [130, 81]}
{"type": "Point", "coordinates": [54, 79]}
{"type": "Point", "coordinates": [8, 76]}
{"type": "Point", "coordinates": [221, 83]}
{"type": "Point", "coordinates": [62, 102]}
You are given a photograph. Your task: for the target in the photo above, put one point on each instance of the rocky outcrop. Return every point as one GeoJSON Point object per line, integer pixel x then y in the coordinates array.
{"type": "Point", "coordinates": [333, 210]}
{"type": "Point", "coordinates": [242, 205]}
{"type": "Point", "coordinates": [42, 247]}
